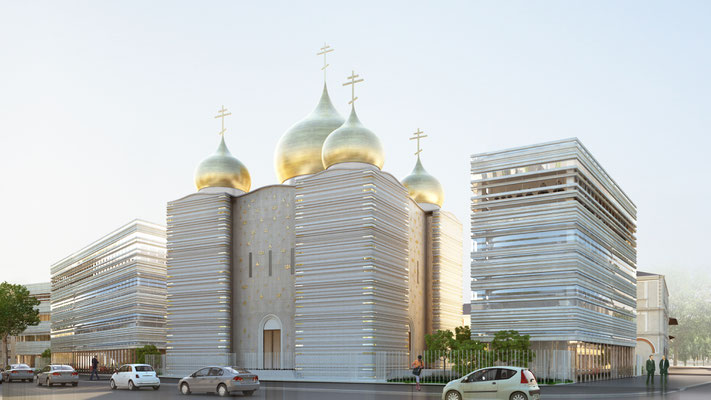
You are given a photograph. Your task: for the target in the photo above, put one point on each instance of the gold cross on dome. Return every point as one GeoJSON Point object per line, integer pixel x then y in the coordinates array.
{"type": "Point", "coordinates": [419, 135]}
{"type": "Point", "coordinates": [324, 50]}
{"type": "Point", "coordinates": [353, 83]}
{"type": "Point", "coordinates": [222, 114]}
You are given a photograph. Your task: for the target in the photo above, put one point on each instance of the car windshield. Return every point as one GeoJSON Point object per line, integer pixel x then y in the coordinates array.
{"type": "Point", "coordinates": [237, 370]}
{"type": "Point", "coordinates": [143, 368]}
{"type": "Point", "coordinates": [62, 368]}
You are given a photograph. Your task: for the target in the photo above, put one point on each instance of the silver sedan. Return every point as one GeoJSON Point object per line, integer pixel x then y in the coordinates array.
{"type": "Point", "coordinates": [18, 372]}
{"type": "Point", "coordinates": [221, 380]}
{"type": "Point", "coordinates": [52, 374]}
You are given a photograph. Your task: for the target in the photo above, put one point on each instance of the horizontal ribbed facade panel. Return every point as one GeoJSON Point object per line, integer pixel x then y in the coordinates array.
{"type": "Point", "coordinates": [446, 281]}
{"type": "Point", "coordinates": [554, 246]}
{"type": "Point", "coordinates": [351, 289]}
{"type": "Point", "coordinates": [111, 294]}
{"type": "Point", "coordinates": [199, 274]}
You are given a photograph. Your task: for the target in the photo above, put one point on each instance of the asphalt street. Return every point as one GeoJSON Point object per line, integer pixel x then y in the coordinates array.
{"type": "Point", "coordinates": [679, 388]}
{"type": "Point", "coordinates": [269, 390]}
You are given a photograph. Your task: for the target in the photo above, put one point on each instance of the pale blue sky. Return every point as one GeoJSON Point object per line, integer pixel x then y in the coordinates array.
{"type": "Point", "coordinates": [106, 107]}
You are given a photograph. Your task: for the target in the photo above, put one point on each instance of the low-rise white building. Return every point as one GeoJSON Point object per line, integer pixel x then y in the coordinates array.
{"type": "Point", "coordinates": [652, 317]}
{"type": "Point", "coordinates": [28, 346]}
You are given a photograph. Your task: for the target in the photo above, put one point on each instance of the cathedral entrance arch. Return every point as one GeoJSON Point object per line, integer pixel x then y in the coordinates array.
{"type": "Point", "coordinates": [271, 342]}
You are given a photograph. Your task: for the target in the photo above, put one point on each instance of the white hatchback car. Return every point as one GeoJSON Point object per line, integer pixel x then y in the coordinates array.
{"type": "Point", "coordinates": [494, 383]}
{"type": "Point", "coordinates": [135, 376]}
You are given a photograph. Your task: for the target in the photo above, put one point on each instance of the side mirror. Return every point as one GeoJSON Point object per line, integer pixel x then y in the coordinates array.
{"type": "Point", "coordinates": [115, 371]}
{"type": "Point", "coordinates": [465, 380]}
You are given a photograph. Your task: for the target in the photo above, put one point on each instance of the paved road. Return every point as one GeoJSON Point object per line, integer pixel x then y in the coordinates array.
{"type": "Point", "coordinates": [688, 387]}
{"type": "Point", "coordinates": [269, 391]}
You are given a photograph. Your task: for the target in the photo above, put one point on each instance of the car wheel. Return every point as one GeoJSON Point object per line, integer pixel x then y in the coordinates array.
{"type": "Point", "coordinates": [156, 387]}
{"type": "Point", "coordinates": [131, 386]}
{"type": "Point", "coordinates": [75, 383]}
{"type": "Point", "coordinates": [112, 384]}
{"type": "Point", "coordinates": [185, 389]}
{"type": "Point", "coordinates": [47, 382]}
{"type": "Point", "coordinates": [248, 392]}
{"type": "Point", "coordinates": [39, 382]}
{"type": "Point", "coordinates": [222, 390]}
{"type": "Point", "coordinates": [518, 396]}
{"type": "Point", "coordinates": [453, 395]}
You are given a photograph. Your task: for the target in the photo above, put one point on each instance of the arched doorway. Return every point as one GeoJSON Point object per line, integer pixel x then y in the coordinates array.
{"type": "Point", "coordinates": [271, 342]}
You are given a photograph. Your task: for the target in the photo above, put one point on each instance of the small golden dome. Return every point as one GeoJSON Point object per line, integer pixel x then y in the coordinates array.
{"type": "Point", "coordinates": [222, 169]}
{"type": "Point", "coordinates": [299, 149]}
{"type": "Point", "coordinates": [423, 187]}
{"type": "Point", "coordinates": [352, 142]}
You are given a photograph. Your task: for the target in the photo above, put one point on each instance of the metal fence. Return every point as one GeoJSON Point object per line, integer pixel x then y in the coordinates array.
{"type": "Point", "coordinates": [549, 366]}
{"type": "Point", "coordinates": [185, 364]}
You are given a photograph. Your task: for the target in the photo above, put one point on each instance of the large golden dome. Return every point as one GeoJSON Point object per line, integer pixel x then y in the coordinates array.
{"type": "Point", "coordinates": [423, 187]}
{"type": "Point", "coordinates": [299, 149]}
{"type": "Point", "coordinates": [352, 142]}
{"type": "Point", "coordinates": [222, 169]}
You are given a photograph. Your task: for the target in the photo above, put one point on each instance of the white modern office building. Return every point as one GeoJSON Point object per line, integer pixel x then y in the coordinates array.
{"type": "Point", "coordinates": [339, 258]}
{"type": "Point", "coordinates": [653, 318]}
{"type": "Point", "coordinates": [28, 346]}
{"type": "Point", "coordinates": [554, 255]}
{"type": "Point", "coordinates": [109, 297]}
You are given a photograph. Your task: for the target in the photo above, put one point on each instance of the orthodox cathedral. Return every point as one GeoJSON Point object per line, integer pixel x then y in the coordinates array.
{"type": "Point", "coordinates": [339, 257]}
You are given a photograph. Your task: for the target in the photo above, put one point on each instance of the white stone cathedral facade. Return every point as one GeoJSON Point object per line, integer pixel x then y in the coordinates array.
{"type": "Point", "coordinates": [340, 258]}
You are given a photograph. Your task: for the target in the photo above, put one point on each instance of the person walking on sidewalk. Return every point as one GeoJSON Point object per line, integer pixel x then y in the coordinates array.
{"type": "Point", "coordinates": [94, 369]}
{"type": "Point", "coordinates": [417, 367]}
{"type": "Point", "coordinates": [664, 369]}
{"type": "Point", "coordinates": [650, 369]}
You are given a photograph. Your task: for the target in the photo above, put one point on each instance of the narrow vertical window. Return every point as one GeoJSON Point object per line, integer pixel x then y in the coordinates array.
{"type": "Point", "coordinates": [293, 260]}
{"type": "Point", "coordinates": [270, 263]}
{"type": "Point", "coordinates": [250, 264]}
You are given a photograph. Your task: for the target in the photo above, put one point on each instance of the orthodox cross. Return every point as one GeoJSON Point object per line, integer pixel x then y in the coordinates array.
{"type": "Point", "coordinates": [418, 136]}
{"type": "Point", "coordinates": [352, 83]}
{"type": "Point", "coordinates": [222, 114]}
{"type": "Point", "coordinates": [324, 50]}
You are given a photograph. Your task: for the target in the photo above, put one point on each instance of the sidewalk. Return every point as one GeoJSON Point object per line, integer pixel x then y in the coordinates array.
{"type": "Point", "coordinates": [616, 388]}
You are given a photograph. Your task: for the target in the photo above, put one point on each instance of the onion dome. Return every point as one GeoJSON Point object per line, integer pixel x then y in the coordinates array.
{"type": "Point", "coordinates": [352, 142]}
{"type": "Point", "coordinates": [223, 170]}
{"type": "Point", "coordinates": [299, 149]}
{"type": "Point", "coordinates": [423, 187]}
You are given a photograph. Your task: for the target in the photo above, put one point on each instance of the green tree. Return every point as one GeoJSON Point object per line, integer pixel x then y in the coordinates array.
{"type": "Point", "coordinates": [47, 353]}
{"type": "Point", "coordinates": [17, 312]}
{"type": "Point", "coordinates": [689, 303]}
{"type": "Point", "coordinates": [466, 354]}
{"type": "Point", "coordinates": [439, 345]}
{"type": "Point", "coordinates": [511, 348]}
{"type": "Point", "coordinates": [142, 352]}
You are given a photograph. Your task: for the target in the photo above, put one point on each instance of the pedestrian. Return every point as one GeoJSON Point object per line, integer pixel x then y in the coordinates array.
{"type": "Point", "coordinates": [664, 369]}
{"type": "Point", "coordinates": [650, 369]}
{"type": "Point", "coordinates": [94, 369]}
{"type": "Point", "coordinates": [417, 367]}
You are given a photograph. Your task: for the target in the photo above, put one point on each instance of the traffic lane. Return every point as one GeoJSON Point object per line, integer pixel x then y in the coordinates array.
{"type": "Point", "coordinates": [268, 391]}
{"type": "Point", "coordinates": [346, 391]}
{"type": "Point", "coordinates": [627, 387]}
{"type": "Point", "coordinates": [94, 390]}
{"type": "Point", "coordinates": [695, 393]}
